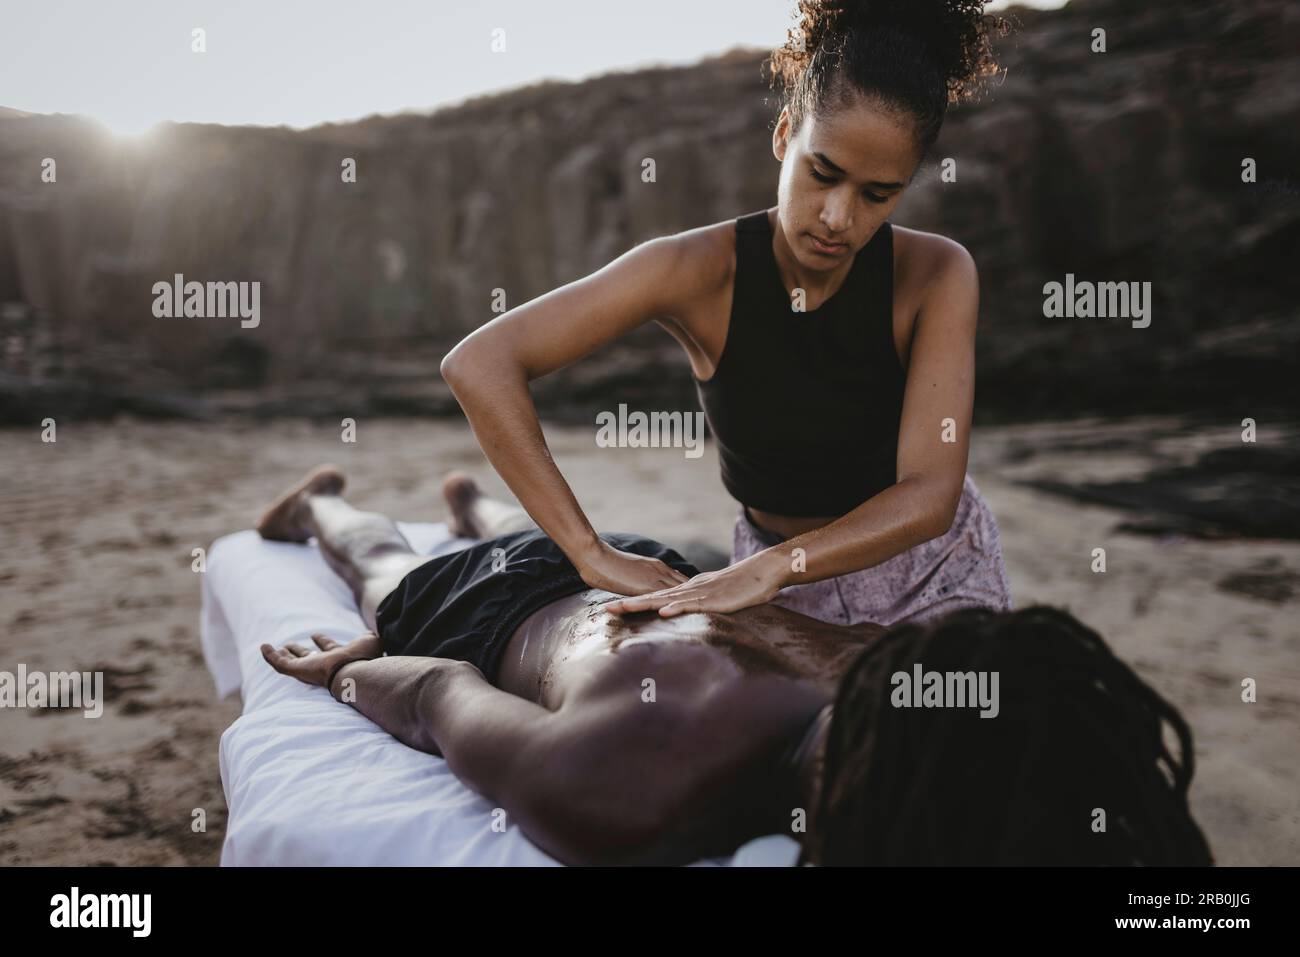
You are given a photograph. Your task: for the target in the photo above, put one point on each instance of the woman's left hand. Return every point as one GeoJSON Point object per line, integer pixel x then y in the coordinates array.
{"type": "Point", "coordinates": [752, 581]}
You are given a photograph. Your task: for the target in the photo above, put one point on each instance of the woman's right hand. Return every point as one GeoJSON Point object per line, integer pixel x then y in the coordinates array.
{"type": "Point", "coordinates": [623, 573]}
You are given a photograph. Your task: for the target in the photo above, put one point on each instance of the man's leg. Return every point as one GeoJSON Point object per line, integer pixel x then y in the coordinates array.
{"type": "Point", "coordinates": [474, 515]}
{"type": "Point", "coordinates": [364, 548]}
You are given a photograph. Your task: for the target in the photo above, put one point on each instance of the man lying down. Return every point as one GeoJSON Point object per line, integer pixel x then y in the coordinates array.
{"type": "Point", "coordinates": [637, 739]}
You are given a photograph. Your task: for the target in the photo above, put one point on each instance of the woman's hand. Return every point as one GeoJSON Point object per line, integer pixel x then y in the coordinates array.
{"type": "Point", "coordinates": [315, 668]}
{"type": "Point", "coordinates": [623, 573]}
{"type": "Point", "coordinates": [750, 582]}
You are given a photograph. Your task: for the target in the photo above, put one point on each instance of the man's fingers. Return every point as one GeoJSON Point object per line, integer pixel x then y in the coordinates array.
{"type": "Point", "coordinates": [273, 657]}
{"type": "Point", "coordinates": [297, 650]}
{"type": "Point", "coordinates": [323, 643]}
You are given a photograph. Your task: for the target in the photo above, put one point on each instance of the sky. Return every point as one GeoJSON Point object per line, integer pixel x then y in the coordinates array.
{"type": "Point", "coordinates": [130, 63]}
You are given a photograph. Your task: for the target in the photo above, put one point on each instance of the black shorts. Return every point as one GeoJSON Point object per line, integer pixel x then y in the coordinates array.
{"type": "Point", "coordinates": [467, 604]}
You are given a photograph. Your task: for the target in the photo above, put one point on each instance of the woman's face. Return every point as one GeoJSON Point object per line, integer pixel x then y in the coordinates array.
{"type": "Point", "coordinates": [841, 176]}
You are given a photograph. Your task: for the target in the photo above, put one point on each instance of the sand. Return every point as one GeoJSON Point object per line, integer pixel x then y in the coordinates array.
{"type": "Point", "coordinates": [98, 528]}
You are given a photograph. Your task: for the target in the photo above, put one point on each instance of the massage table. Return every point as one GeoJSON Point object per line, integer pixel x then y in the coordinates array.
{"type": "Point", "coordinates": [310, 781]}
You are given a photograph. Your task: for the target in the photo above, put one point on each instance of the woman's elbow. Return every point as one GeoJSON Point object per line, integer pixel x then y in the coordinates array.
{"type": "Point", "coordinates": [938, 518]}
{"type": "Point", "coordinates": [471, 365]}
{"type": "Point", "coordinates": [452, 367]}
{"type": "Point", "coordinates": [941, 524]}
{"type": "Point", "coordinates": [462, 370]}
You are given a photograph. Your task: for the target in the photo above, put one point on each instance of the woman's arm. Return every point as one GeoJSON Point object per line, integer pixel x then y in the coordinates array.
{"type": "Point", "coordinates": [931, 471]}
{"type": "Point", "coordinates": [489, 372]}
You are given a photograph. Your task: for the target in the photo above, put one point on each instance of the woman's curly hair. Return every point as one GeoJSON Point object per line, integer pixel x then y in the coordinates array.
{"type": "Point", "coordinates": [916, 56]}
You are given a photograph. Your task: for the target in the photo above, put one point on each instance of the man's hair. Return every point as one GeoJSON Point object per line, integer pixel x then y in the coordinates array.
{"type": "Point", "coordinates": [1073, 769]}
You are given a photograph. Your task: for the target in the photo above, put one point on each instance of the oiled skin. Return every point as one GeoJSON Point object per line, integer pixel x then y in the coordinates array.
{"type": "Point", "coordinates": [713, 737]}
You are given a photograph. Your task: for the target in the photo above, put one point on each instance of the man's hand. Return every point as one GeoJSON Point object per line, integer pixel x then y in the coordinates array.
{"type": "Point", "coordinates": [316, 667]}
{"type": "Point", "coordinates": [750, 582]}
{"type": "Point", "coordinates": [623, 573]}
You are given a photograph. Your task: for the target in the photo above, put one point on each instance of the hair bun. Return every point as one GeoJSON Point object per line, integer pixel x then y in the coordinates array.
{"type": "Point", "coordinates": [954, 33]}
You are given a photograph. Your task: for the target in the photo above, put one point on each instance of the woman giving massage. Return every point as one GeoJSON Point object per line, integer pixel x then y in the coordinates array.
{"type": "Point", "coordinates": [833, 352]}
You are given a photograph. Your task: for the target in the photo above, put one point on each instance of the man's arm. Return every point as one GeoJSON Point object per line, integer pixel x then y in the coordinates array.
{"type": "Point", "coordinates": [552, 771]}
{"type": "Point", "coordinates": [566, 777]}
{"type": "Point", "coordinates": [446, 707]}
{"type": "Point", "coordinates": [438, 705]}
{"type": "Point", "coordinates": [386, 690]}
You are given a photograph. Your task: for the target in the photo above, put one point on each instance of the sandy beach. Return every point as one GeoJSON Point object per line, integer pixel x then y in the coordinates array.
{"type": "Point", "coordinates": [98, 530]}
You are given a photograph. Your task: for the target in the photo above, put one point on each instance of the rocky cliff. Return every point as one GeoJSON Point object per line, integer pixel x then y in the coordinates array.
{"type": "Point", "coordinates": [1117, 166]}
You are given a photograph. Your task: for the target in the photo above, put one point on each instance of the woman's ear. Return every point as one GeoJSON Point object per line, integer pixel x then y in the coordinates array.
{"type": "Point", "coordinates": [781, 134]}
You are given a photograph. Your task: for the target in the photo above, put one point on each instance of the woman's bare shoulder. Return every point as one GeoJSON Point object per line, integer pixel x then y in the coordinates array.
{"type": "Point", "coordinates": [922, 259]}
{"type": "Point", "coordinates": [704, 267]}
{"type": "Point", "coordinates": [926, 252]}
{"type": "Point", "coordinates": [709, 252]}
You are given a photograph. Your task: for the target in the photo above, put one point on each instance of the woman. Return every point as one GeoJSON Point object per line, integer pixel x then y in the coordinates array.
{"type": "Point", "coordinates": [841, 400]}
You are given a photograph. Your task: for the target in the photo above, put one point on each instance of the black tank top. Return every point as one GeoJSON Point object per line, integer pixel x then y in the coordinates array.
{"type": "Point", "coordinates": [805, 406]}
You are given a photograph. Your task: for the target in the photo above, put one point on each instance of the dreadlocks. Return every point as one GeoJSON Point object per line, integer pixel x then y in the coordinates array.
{"type": "Point", "coordinates": [1074, 769]}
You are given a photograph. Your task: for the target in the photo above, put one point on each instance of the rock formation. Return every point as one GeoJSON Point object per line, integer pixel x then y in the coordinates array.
{"type": "Point", "coordinates": [1122, 166]}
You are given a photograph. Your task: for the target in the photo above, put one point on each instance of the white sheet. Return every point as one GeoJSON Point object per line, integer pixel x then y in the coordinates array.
{"type": "Point", "coordinates": [310, 781]}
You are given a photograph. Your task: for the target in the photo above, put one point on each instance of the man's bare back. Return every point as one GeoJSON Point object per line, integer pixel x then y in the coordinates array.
{"type": "Point", "coordinates": [704, 712]}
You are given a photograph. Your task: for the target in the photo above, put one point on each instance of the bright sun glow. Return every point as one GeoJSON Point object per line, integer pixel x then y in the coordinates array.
{"type": "Point", "coordinates": [129, 124]}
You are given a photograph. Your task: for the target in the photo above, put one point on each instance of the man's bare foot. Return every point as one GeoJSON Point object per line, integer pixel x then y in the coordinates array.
{"type": "Point", "coordinates": [477, 515]}
{"type": "Point", "coordinates": [461, 492]}
{"type": "Point", "coordinates": [283, 521]}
